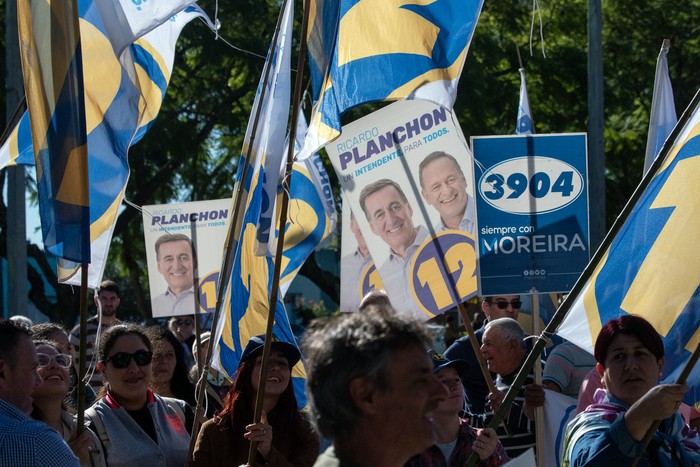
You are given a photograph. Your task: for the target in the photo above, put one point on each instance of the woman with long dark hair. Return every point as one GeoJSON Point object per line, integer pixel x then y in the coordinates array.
{"type": "Point", "coordinates": [284, 438]}
{"type": "Point", "coordinates": [170, 373]}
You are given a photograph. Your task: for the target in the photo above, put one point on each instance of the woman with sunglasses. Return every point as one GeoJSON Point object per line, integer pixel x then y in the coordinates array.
{"type": "Point", "coordinates": [284, 438]}
{"type": "Point", "coordinates": [49, 403]}
{"type": "Point", "coordinates": [630, 355]}
{"type": "Point", "coordinates": [135, 426]}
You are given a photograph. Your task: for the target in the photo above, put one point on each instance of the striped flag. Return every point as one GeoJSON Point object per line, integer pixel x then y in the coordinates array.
{"type": "Point", "coordinates": [650, 267]}
{"type": "Point", "coordinates": [384, 51]}
{"type": "Point", "coordinates": [663, 109]}
{"type": "Point", "coordinates": [53, 79]}
{"type": "Point", "coordinates": [123, 97]}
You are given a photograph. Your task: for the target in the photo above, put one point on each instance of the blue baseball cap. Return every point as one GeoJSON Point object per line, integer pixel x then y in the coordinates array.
{"type": "Point", "coordinates": [254, 347]}
{"type": "Point", "coordinates": [440, 362]}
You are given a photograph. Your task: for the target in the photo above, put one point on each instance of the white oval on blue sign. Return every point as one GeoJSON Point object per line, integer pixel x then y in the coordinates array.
{"type": "Point", "coordinates": [531, 185]}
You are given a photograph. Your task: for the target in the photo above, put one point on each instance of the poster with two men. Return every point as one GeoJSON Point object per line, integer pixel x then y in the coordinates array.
{"type": "Point", "coordinates": [406, 172]}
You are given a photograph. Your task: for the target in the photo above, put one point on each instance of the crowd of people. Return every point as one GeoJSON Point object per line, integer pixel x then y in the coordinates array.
{"type": "Point", "coordinates": [378, 395]}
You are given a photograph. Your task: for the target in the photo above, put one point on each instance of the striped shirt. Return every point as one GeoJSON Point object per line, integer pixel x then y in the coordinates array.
{"type": "Point", "coordinates": [90, 350]}
{"type": "Point", "coordinates": [521, 428]}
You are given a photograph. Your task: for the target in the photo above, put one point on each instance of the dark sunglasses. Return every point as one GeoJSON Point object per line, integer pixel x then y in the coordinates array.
{"type": "Point", "coordinates": [502, 305]}
{"type": "Point", "coordinates": [186, 322]}
{"type": "Point", "coordinates": [123, 359]}
{"type": "Point", "coordinates": [61, 360]}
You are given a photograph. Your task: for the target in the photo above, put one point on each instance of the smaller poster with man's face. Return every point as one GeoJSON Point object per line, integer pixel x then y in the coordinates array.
{"type": "Point", "coordinates": [407, 174]}
{"type": "Point", "coordinates": [184, 244]}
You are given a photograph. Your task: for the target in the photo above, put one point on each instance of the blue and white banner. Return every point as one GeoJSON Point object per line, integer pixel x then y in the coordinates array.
{"type": "Point", "coordinates": [532, 211]}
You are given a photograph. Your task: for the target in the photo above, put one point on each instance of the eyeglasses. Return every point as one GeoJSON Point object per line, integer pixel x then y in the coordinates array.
{"type": "Point", "coordinates": [123, 359]}
{"type": "Point", "coordinates": [61, 359]}
{"type": "Point", "coordinates": [186, 322]}
{"type": "Point", "coordinates": [503, 304]}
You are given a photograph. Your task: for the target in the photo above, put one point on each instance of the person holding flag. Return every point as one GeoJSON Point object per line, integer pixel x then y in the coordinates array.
{"type": "Point", "coordinates": [283, 436]}
{"type": "Point", "coordinates": [630, 355]}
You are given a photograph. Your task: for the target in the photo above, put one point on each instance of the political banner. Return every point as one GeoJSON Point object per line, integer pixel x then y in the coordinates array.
{"type": "Point", "coordinates": [184, 244]}
{"type": "Point", "coordinates": [532, 206]}
{"type": "Point", "coordinates": [407, 174]}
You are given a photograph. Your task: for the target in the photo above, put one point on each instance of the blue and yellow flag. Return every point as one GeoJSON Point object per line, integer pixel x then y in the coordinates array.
{"type": "Point", "coordinates": [247, 300]}
{"type": "Point", "coordinates": [384, 50]}
{"type": "Point", "coordinates": [246, 306]}
{"type": "Point", "coordinates": [651, 267]}
{"type": "Point", "coordinates": [123, 96]}
{"type": "Point", "coordinates": [53, 80]}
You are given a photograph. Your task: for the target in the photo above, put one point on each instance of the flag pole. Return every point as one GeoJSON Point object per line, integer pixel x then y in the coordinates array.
{"type": "Point", "coordinates": [83, 345]}
{"type": "Point", "coordinates": [564, 308]}
{"type": "Point", "coordinates": [539, 411]}
{"type": "Point", "coordinates": [286, 184]}
{"type": "Point", "coordinates": [239, 200]}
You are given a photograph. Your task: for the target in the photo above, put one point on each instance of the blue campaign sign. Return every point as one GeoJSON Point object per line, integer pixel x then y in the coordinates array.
{"type": "Point", "coordinates": [532, 212]}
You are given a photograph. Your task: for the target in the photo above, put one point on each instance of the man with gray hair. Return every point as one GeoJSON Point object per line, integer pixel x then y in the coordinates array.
{"type": "Point", "coordinates": [444, 187]}
{"type": "Point", "coordinates": [390, 216]}
{"type": "Point", "coordinates": [505, 351]}
{"type": "Point", "coordinates": [371, 388]}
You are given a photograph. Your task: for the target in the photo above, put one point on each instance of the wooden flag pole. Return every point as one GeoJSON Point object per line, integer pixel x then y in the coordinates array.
{"type": "Point", "coordinates": [286, 184]}
{"type": "Point", "coordinates": [82, 349]}
{"type": "Point", "coordinates": [539, 411]}
{"type": "Point", "coordinates": [564, 308]}
{"type": "Point", "coordinates": [238, 204]}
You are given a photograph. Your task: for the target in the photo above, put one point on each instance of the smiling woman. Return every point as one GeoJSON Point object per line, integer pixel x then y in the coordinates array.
{"type": "Point", "coordinates": [136, 426]}
{"type": "Point", "coordinates": [283, 437]}
{"type": "Point", "coordinates": [48, 403]}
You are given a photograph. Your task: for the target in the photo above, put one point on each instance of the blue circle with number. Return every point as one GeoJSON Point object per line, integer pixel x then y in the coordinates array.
{"type": "Point", "coordinates": [443, 271]}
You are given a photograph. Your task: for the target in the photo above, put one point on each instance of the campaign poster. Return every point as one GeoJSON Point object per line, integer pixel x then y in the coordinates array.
{"type": "Point", "coordinates": [407, 174]}
{"type": "Point", "coordinates": [532, 204]}
{"type": "Point", "coordinates": [184, 245]}
{"type": "Point", "coordinates": [358, 274]}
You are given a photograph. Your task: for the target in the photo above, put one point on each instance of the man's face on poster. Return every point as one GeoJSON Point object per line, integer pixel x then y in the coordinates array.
{"type": "Point", "coordinates": [444, 187]}
{"type": "Point", "coordinates": [389, 217]}
{"type": "Point", "coordinates": [176, 265]}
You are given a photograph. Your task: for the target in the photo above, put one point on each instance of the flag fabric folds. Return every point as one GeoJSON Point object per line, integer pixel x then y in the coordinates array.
{"type": "Point", "coordinates": [123, 96]}
{"type": "Point", "coordinates": [524, 124]}
{"type": "Point", "coordinates": [650, 267]}
{"type": "Point", "coordinates": [247, 297]}
{"type": "Point", "coordinates": [384, 51]}
{"type": "Point", "coordinates": [267, 153]}
{"type": "Point", "coordinates": [663, 109]}
{"type": "Point", "coordinates": [53, 79]}
{"type": "Point", "coordinates": [131, 19]}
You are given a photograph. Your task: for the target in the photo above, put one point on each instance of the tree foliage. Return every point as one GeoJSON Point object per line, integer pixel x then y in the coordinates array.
{"type": "Point", "coordinates": [192, 150]}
